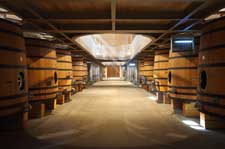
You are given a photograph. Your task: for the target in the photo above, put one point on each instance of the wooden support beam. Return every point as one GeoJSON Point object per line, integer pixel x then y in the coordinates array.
{"type": "Point", "coordinates": [71, 21]}
{"type": "Point", "coordinates": [151, 20]}
{"type": "Point", "coordinates": [116, 31]}
{"type": "Point", "coordinates": [113, 14]}
{"type": "Point", "coordinates": [77, 21]}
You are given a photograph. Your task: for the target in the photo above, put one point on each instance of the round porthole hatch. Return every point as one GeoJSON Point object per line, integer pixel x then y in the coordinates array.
{"type": "Point", "coordinates": [21, 81]}
{"type": "Point", "coordinates": [203, 79]}
{"type": "Point", "coordinates": [170, 77]}
{"type": "Point", "coordinates": [55, 77]}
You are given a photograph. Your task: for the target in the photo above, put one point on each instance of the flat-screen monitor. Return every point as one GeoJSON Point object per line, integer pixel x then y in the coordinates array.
{"type": "Point", "coordinates": [182, 42]}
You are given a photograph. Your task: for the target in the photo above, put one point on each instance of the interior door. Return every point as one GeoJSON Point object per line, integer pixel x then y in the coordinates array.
{"type": "Point", "coordinates": [113, 71]}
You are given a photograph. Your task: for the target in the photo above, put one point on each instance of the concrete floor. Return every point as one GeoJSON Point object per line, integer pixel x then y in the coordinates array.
{"type": "Point", "coordinates": [113, 115]}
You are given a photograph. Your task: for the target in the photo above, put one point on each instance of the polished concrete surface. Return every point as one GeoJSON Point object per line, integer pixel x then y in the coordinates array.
{"type": "Point", "coordinates": [113, 115]}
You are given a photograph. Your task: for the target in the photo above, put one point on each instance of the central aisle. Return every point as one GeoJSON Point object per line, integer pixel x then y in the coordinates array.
{"type": "Point", "coordinates": [115, 114]}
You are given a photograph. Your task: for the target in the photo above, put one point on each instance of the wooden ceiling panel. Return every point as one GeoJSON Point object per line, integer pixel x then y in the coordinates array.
{"type": "Point", "coordinates": [67, 18]}
{"type": "Point", "coordinates": [82, 26]}
{"type": "Point", "coordinates": [144, 21]}
{"type": "Point", "coordinates": [66, 9]}
{"type": "Point", "coordinates": [149, 25]}
{"type": "Point", "coordinates": [74, 21]}
{"type": "Point", "coordinates": [154, 8]}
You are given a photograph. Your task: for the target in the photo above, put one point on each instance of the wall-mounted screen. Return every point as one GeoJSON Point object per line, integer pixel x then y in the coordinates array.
{"type": "Point", "coordinates": [182, 42]}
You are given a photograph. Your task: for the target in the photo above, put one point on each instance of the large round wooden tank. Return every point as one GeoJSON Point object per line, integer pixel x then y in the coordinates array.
{"type": "Point", "coordinates": [79, 72]}
{"type": "Point", "coordinates": [65, 73]}
{"type": "Point", "coordinates": [141, 71]}
{"type": "Point", "coordinates": [85, 71]}
{"type": "Point", "coordinates": [212, 69]}
{"type": "Point", "coordinates": [183, 81]}
{"type": "Point", "coordinates": [141, 67]}
{"type": "Point", "coordinates": [13, 88]}
{"type": "Point", "coordinates": [160, 72]}
{"type": "Point", "coordinates": [148, 68]}
{"type": "Point", "coordinates": [42, 75]}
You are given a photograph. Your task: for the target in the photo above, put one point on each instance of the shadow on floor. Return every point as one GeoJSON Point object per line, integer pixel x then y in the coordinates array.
{"type": "Point", "coordinates": [23, 140]}
{"type": "Point", "coordinates": [19, 139]}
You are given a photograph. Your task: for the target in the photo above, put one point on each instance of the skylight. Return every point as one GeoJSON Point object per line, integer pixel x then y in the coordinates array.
{"type": "Point", "coordinates": [220, 13]}
{"type": "Point", "coordinates": [113, 46]}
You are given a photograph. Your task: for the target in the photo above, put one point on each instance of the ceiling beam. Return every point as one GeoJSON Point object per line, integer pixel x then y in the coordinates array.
{"type": "Point", "coordinates": [72, 20]}
{"type": "Point", "coordinates": [113, 14]}
{"type": "Point", "coordinates": [110, 31]}
{"type": "Point", "coordinates": [107, 20]}
{"type": "Point", "coordinates": [151, 20]}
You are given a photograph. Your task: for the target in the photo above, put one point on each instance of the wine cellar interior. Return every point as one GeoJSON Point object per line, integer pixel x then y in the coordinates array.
{"type": "Point", "coordinates": [112, 74]}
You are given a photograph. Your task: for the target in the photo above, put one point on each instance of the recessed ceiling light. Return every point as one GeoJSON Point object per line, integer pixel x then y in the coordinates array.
{"type": "Point", "coordinates": [38, 35]}
{"type": "Point", "coordinates": [222, 10]}
{"type": "Point", "coordinates": [13, 17]}
{"type": "Point", "coordinates": [212, 17]}
{"type": "Point", "coordinates": [132, 64]}
{"type": "Point", "coordinates": [3, 9]}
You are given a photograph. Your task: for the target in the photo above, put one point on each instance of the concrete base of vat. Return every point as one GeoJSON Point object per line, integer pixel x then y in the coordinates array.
{"type": "Point", "coordinates": [211, 122]}
{"type": "Point", "coordinates": [166, 99]}
{"type": "Point", "coordinates": [77, 88]}
{"type": "Point", "coordinates": [82, 86]}
{"type": "Point", "coordinates": [190, 110]}
{"type": "Point", "coordinates": [25, 118]}
{"type": "Point", "coordinates": [144, 86]}
{"type": "Point", "coordinates": [60, 99]}
{"type": "Point", "coordinates": [14, 122]}
{"type": "Point", "coordinates": [160, 96]}
{"type": "Point", "coordinates": [67, 97]}
{"type": "Point", "coordinates": [37, 110]}
{"type": "Point", "coordinates": [149, 88]}
{"type": "Point", "coordinates": [186, 109]}
{"type": "Point", "coordinates": [176, 105]}
{"type": "Point", "coordinates": [51, 105]}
